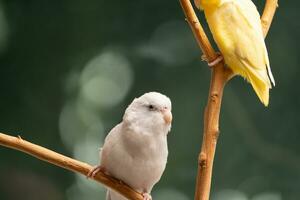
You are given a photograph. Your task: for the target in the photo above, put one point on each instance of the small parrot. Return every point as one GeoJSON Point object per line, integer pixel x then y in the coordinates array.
{"type": "Point", "coordinates": [135, 151]}
{"type": "Point", "coordinates": [237, 31]}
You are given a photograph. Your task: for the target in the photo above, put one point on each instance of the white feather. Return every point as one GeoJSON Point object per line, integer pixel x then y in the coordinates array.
{"type": "Point", "coordinates": [135, 151]}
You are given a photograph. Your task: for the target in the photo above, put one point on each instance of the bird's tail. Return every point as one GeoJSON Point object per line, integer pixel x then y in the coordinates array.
{"type": "Point", "coordinates": [108, 195]}
{"type": "Point", "coordinates": [260, 82]}
{"type": "Point", "coordinates": [112, 195]}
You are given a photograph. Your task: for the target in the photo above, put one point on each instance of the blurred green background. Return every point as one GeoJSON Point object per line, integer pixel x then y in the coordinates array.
{"type": "Point", "coordinates": [69, 69]}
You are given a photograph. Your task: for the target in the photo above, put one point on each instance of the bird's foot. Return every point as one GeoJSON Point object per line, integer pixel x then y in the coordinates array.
{"type": "Point", "coordinates": [215, 61]}
{"type": "Point", "coordinates": [92, 173]}
{"type": "Point", "coordinates": [147, 196]}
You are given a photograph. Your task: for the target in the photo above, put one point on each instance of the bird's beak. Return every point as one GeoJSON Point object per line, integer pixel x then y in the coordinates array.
{"type": "Point", "coordinates": [167, 115]}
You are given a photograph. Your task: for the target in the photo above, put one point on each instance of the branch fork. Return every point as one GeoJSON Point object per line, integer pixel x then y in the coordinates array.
{"type": "Point", "coordinates": [220, 75]}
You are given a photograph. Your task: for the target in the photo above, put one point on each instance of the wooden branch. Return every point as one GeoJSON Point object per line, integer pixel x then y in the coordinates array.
{"type": "Point", "coordinates": [268, 14]}
{"type": "Point", "coordinates": [219, 77]}
{"type": "Point", "coordinates": [60, 160]}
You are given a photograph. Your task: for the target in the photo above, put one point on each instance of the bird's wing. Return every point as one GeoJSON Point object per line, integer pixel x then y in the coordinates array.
{"type": "Point", "coordinates": [115, 132]}
{"type": "Point", "coordinates": [237, 30]}
{"type": "Point", "coordinates": [110, 142]}
{"type": "Point", "coordinates": [250, 16]}
{"type": "Point", "coordinates": [249, 13]}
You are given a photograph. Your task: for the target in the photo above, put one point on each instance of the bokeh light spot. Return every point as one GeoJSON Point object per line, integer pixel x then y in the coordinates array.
{"type": "Point", "coordinates": [173, 194]}
{"type": "Point", "coordinates": [106, 79]}
{"type": "Point", "coordinates": [229, 195]}
{"type": "Point", "coordinates": [267, 196]}
{"type": "Point", "coordinates": [171, 48]}
{"type": "Point", "coordinates": [76, 121]}
{"type": "Point", "coordinates": [4, 30]}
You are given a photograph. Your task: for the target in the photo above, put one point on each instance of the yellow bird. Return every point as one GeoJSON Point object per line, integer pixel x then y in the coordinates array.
{"type": "Point", "coordinates": [236, 28]}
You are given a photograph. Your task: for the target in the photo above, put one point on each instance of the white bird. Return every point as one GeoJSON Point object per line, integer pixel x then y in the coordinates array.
{"type": "Point", "coordinates": [135, 151]}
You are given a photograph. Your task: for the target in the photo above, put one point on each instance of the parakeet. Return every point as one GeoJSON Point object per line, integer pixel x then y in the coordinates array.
{"type": "Point", "coordinates": [135, 151]}
{"type": "Point", "coordinates": [236, 28]}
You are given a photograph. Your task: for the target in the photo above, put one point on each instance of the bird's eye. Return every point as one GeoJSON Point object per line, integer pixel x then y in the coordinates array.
{"type": "Point", "coordinates": [151, 107]}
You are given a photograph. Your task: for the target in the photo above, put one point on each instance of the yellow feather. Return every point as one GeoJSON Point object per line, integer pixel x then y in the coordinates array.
{"type": "Point", "coordinates": [236, 28]}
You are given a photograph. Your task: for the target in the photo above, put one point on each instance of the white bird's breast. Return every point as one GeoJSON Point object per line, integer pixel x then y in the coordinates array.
{"type": "Point", "coordinates": [137, 159]}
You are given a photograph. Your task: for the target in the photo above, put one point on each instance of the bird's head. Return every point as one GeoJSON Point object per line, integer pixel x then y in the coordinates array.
{"type": "Point", "coordinates": [149, 113]}
{"type": "Point", "coordinates": [203, 4]}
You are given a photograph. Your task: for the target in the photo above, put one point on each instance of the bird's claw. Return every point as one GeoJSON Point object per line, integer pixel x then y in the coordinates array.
{"type": "Point", "coordinates": [147, 196]}
{"type": "Point", "coordinates": [92, 173]}
{"type": "Point", "coordinates": [217, 60]}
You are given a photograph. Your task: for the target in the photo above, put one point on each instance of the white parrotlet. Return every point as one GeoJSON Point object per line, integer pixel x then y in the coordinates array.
{"type": "Point", "coordinates": [135, 151]}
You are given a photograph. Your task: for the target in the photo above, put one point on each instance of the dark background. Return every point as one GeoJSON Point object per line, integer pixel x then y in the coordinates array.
{"type": "Point", "coordinates": [69, 68]}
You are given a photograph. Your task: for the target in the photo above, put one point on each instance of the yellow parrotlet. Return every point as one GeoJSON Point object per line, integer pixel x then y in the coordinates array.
{"type": "Point", "coordinates": [236, 28]}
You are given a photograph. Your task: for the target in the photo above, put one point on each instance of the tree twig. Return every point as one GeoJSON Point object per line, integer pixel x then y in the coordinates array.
{"type": "Point", "coordinates": [219, 77]}
{"type": "Point", "coordinates": [268, 14]}
{"type": "Point", "coordinates": [60, 160]}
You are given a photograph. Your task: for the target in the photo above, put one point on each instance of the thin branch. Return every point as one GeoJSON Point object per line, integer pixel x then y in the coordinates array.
{"type": "Point", "coordinates": [268, 14]}
{"type": "Point", "coordinates": [60, 160]}
{"type": "Point", "coordinates": [219, 77]}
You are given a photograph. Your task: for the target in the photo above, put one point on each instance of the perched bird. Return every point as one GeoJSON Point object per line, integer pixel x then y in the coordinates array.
{"type": "Point", "coordinates": [135, 151]}
{"type": "Point", "coordinates": [236, 28]}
